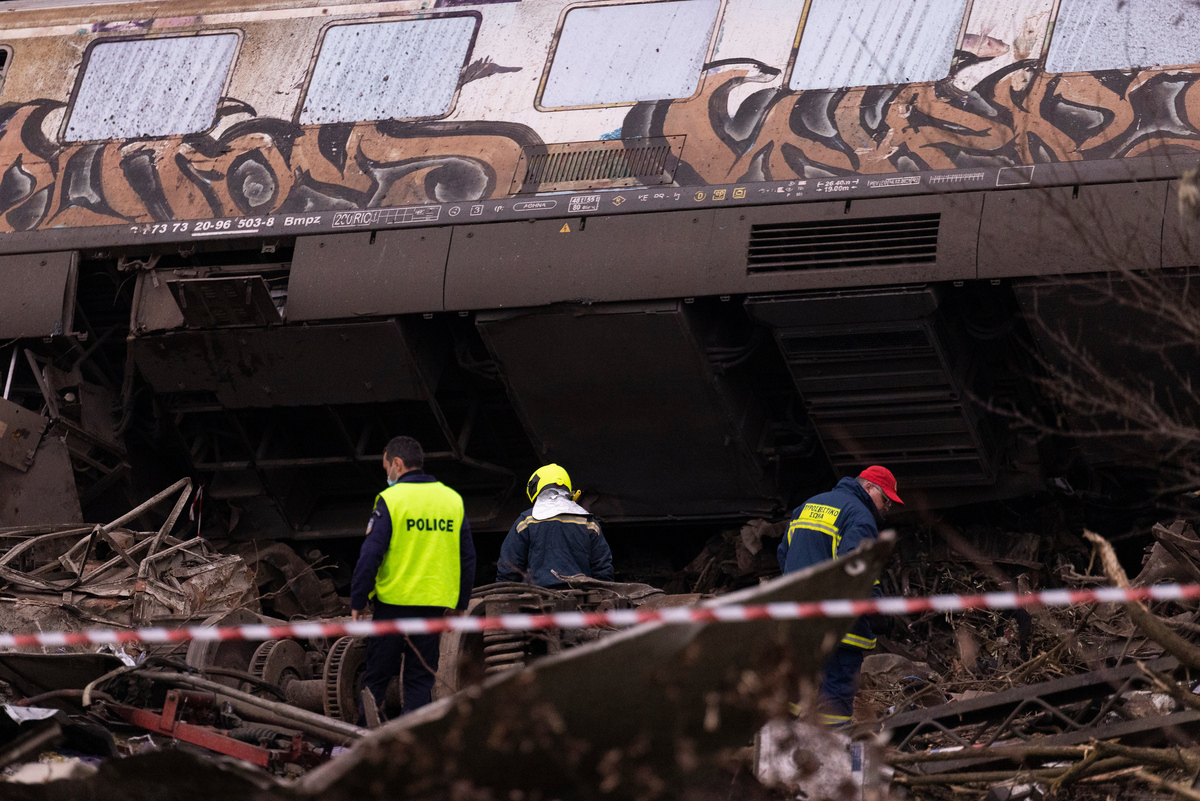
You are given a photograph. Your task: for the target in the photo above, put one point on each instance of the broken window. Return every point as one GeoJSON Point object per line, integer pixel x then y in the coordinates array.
{"type": "Point", "coordinates": [151, 87]}
{"type": "Point", "coordinates": [845, 43]}
{"type": "Point", "coordinates": [630, 53]}
{"type": "Point", "coordinates": [389, 70]}
{"type": "Point", "coordinates": [1117, 34]}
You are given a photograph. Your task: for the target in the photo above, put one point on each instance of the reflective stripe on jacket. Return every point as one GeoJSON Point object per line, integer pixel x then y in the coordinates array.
{"type": "Point", "coordinates": [422, 566]}
{"type": "Point", "coordinates": [828, 526]}
{"type": "Point", "coordinates": [535, 550]}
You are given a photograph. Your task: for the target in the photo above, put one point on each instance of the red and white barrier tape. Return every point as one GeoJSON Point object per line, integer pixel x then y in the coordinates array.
{"type": "Point", "coordinates": [619, 618]}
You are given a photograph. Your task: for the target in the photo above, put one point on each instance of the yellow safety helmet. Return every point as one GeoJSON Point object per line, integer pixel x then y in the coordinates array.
{"type": "Point", "coordinates": [549, 476]}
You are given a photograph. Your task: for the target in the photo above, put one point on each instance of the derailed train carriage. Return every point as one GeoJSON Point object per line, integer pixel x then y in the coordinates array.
{"type": "Point", "coordinates": [707, 253]}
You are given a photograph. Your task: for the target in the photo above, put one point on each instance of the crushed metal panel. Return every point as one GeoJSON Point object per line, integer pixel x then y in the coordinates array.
{"type": "Point", "coordinates": [37, 294]}
{"type": "Point", "coordinates": [368, 274]}
{"type": "Point", "coordinates": [661, 685]}
{"type": "Point", "coordinates": [292, 365]}
{"type": "Point", "coordinates": [46, 493]}
{"type": "Point", "coordinates": [1089, 228]}
{"type": "Point", "coordinates": [20, 432]}
{"type": "Point", "coordinates": [627, 399]}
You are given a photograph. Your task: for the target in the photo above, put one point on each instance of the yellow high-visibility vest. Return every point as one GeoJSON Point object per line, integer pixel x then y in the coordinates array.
{"type": "Point", "coordinates": [422, 566]}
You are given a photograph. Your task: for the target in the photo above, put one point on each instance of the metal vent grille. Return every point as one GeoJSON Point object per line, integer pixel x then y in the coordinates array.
{"type": "Point", "coordinates": [864, 242]}
{"type": "Point", "coordinates": [598, 165]}
{"type": "Point", "coordinates": [221, 302]}
{"type": "Point", "coordinates": [816, 346]}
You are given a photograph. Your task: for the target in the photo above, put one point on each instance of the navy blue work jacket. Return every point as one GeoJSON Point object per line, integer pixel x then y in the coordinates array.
{"type": "Point", "coordinates": [565, 544]}
{"type": "Point", "coordinates": [829, 526]}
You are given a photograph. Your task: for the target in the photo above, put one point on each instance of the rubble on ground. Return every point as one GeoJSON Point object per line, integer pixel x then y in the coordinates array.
{"type": "Point", "coordinates": [662, 708]}
{"type": "Point", "coordinates": [1083, 702]}
{"type": "Point", "coordinates": [1086, 702]}
{"type": "Point", "coordinates": [64, 711]}
{"type": "Point", "coordinates": [734, 559]}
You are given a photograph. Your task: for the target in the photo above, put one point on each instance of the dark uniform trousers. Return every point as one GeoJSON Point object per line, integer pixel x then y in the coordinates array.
{"type": "Point", "coordinates": [840, 684]}
{"type": "Point", "coordinates": [418, 653]}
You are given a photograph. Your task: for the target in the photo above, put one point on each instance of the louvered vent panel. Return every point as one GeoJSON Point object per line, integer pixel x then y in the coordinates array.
{"type": "Point", "coordinates": [598, 165]}
{"type": "Point", "coordinates": [865, 242]}
{"type": "Point", "coordinates": [823, 346]}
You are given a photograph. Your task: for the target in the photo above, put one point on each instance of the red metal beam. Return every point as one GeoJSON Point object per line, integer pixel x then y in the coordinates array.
{"type": "Point", "coordinates": [203, 736]}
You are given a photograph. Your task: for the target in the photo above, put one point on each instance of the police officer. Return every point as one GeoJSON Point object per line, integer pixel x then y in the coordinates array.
{"type": "Point", "coordinates": [418, 560]}
{"type": "Point", "coordinates": [556, 535]}
{"type": "Point", "coordinates": [829, 526]}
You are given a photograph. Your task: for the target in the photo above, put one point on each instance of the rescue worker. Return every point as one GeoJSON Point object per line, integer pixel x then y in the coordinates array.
{"type": "Point", "coordinates": [418, 560]}
{"type": "Point", "coordinates": [556, 535]}
{"type": "Point", "coordinates": [829, 526]}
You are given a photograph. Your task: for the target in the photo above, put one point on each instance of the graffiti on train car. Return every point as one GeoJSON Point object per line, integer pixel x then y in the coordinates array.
{"type": "Point", "coordinates": [258, 166]}
{"type": "Point", "coordinates": [263, 166]}
{"type": "Point", "coordinates": [1017, 116]}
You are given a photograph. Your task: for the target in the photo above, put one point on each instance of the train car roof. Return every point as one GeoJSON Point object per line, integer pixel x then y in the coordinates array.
{"type": "Point", "coordinates": [38, 13]}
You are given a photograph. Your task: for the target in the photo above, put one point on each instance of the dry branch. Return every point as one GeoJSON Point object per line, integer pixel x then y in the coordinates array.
{"type": "Point", "coordinates": [1151, 625]}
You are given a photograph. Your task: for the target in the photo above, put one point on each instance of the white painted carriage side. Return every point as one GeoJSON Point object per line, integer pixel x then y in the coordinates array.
{"type": "Point", "coordinates": [762, 30]}
{"type": "Point", "coordinates": [874, 42]}
{"type": "Point", "coordinates": [1120, 34]}
{"type": "Point", "coordinates": [630, 53]}
{"type": "Point", "coordinates": [151, 87]}
{"type": "Point", "coordinates": [1001, 33]}
{"type": "Point", "coordinates": [388, 70]}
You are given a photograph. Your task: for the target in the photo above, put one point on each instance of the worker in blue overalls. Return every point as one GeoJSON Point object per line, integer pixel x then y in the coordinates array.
{"type": "Point", "coordinates": [554, 536]}
{"type": "Point", "coordinates": [829, 526]}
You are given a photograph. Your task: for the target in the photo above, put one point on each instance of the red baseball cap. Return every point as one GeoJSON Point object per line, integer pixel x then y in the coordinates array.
{"type": "Point", "coordinates": [882, 478]}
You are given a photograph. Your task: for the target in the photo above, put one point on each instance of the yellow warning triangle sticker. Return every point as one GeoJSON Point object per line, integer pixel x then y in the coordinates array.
{"type": "Point", "coordinates": [566, 229]}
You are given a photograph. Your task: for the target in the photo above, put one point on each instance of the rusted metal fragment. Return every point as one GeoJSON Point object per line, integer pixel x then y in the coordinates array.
{"type": "Point", "coordinates": [20, 432]}
{"type": "Point", "coordinates": [45, 494]}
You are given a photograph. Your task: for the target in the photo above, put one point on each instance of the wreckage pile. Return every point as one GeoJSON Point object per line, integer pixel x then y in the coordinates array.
{"type": "Point", "coordinates": [1019, 705]}
{"type": "Point", "coordinates": [68, 578]}
{"type": "Point", "coordinates": [1086, 702]}
{"type": "Point", "coordinates": [228, 698]}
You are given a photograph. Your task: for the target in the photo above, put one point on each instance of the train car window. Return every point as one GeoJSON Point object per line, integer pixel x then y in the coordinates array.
{"type": "Point", "coordinates": [845, 43]}
{"type": "Point", "coordinates": [5, 59]}
{"type": "Point", "coordinates": [1117, 34]}
{"type": "Point", "coordinates": [628, 53]}
{"type": "Point", "coordinates": [389, 70]}
{"type": "Point", "coordinates": [150, 87]}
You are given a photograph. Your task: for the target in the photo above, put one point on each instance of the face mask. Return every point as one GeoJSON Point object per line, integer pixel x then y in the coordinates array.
{"type": "Point", "coordinates": [392, 481]}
